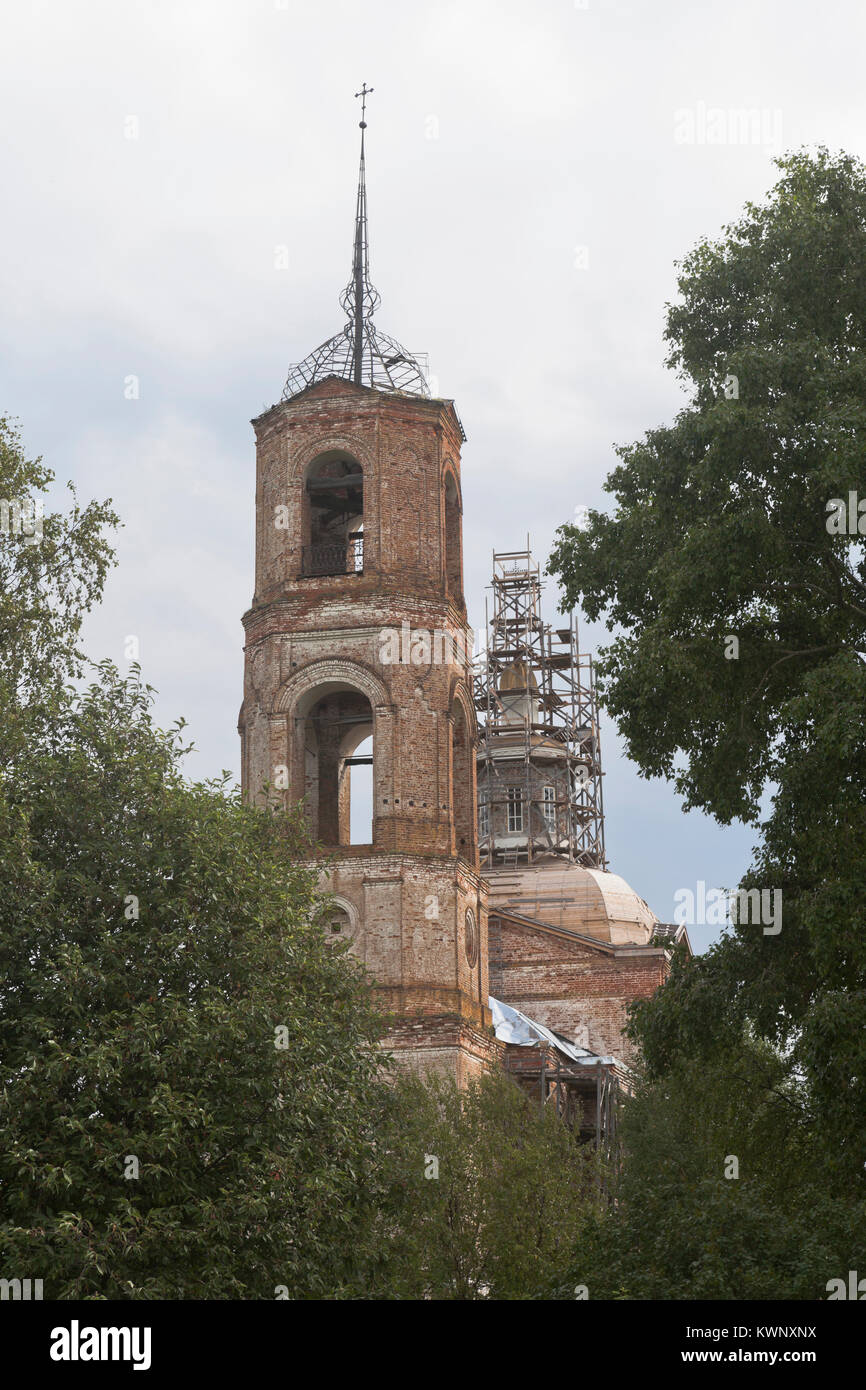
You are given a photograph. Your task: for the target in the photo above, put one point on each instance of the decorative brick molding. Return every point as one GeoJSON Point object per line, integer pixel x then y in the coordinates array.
{"type": "Point", "coordinates": [324, 670]}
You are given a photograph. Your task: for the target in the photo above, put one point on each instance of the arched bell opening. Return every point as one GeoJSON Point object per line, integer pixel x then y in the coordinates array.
{"type": "Point", "coordinates": [463, 784]}
{"type": "Point", "coordinates": [333, 515]}
{"type": "Point", "coordinates": [338, 732]}
{"type": "Point", "coordinates": [453, 556]}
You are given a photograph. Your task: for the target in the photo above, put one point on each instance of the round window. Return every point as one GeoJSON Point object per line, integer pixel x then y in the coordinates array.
{"type": "Point", "coordinates": [471, 942]}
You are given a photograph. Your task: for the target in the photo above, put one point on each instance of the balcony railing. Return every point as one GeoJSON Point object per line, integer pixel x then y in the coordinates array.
{"type": "Point", "coordinates": [334, 557]}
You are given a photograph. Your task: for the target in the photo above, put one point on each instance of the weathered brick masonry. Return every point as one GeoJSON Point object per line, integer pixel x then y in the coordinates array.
{"type": "Point", "coordinates": [319, 677]}
{"type": "Point", "coordinates": [575, 985]}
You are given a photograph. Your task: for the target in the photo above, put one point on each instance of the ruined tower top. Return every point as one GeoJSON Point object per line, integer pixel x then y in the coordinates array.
{"type": "Point", "coordinates": [360, 352]}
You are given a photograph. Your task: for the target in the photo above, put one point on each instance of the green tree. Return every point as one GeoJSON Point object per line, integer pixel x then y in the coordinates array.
{"type": "Point", "coordinates": [724, 1192]}
{"type": "Point", "coordinates": [473, 1194]}
{"type": "Point", "coordinates": [738, 608]}
{"type": "Point", "coordinates": [159, 943]}
{"type": "Point", "coordinates": [161, 1136]}
{"type": "Point", "coordinates": [804, 990]}
{"type": "Point", "coordinates": [49, 580]}
{"type": "Point", "coordinates": [720, 528]}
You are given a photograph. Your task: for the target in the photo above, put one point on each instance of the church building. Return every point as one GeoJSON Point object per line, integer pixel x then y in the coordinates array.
{"type": "Point", "coordinates": [482, 905]}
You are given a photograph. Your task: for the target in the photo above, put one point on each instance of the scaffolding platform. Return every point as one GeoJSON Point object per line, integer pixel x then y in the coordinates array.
{"type": "Point", "coordinates": [535, 695]}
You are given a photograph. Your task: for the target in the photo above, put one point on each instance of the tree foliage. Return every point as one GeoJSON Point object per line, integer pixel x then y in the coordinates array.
{"type": "Point", "coordinates": [156, 1139]}
{"type": "Point", "coordinates": [804, 991]}
{"type": "Point", "coordinates": [473, 1195]}
{"type": "Point", "coordinates": [724, 1193]}
{"type": "Point", "coordinates": [49, 580]}
{"type": "Point", "coordinates": [720, 525]}
{"type": "Point", "coordinates": [159, 943]}
{"type": "Point", "coordinates": [721, 531]}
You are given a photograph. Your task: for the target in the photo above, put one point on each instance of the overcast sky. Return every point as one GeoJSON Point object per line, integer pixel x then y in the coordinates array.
{"type": "Point", "coordinates": [534, 171]}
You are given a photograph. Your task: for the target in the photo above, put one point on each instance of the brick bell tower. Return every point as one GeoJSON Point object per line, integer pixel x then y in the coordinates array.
{"type": "Point", "coordinates": [357, 632]}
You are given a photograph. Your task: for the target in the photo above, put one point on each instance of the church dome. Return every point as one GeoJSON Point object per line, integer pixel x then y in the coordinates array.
{"type": "Point", "coordinates": [588, 902]}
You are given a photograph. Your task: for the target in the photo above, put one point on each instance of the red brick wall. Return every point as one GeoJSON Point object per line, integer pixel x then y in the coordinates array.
{"type": "Point", "coordinates": [569, 985]}
{"type": "Point", "coordinates": [408, 892]}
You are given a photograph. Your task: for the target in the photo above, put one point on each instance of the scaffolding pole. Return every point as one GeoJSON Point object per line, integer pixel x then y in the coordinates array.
{"type": "Point", "coordinates": [558, 727]}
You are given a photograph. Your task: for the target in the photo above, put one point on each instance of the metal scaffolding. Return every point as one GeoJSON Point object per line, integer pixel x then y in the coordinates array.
{"type": "Point", "coordinates": [587, 1097]}
{"type": "Point", "coordinates": [539, 755]}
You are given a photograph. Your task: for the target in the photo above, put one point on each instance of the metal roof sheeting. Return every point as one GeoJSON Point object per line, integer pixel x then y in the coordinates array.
{"type": "Point", "coordinates": [512, 1026]}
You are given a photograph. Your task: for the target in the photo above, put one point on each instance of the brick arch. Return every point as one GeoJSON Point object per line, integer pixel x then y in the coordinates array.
{"type": "Point", "coordinates": [302, 525]}
{"type": "Point", "coordinates": [449, 466]}
{"type": "Point", "coordinates": [464, 808]}
{"type": "Point", "coordinates": [452, 535]}
{"type": "Point", "coordinates": [288, 708]}
{"type": "Point", "coordinates": [458, 694]}
{"type": "Point", "coordinates": [324, 672]}
{"type": "Point", "coordinates": [303, 455]}
{"type": "Point", "coordinates": [350, 910]}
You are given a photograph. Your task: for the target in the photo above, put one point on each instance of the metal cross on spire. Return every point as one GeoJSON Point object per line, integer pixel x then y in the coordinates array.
{"type": "Point", "coordinates": [363, 94]}
{"type": "Point", "coordinates": [360, 353]}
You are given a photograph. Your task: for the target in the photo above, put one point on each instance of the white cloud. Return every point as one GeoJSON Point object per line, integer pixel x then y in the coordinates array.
{"type": "Point", "coordinates": [155, 255]}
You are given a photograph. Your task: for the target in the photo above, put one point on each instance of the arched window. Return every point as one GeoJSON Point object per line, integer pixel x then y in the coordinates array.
{"type": "Point", "coordinates": [338, 924]}
{"type": "Point", "coordinates": [338, 746]}
{"type": "Point", "coordinates": [453, 558]}
{"type": "Point", "coordinates": [361, 802]}
{"type": "Point", "coordinates": [463, 794]}
{"type": "Point", "coordinates": [333, 516]}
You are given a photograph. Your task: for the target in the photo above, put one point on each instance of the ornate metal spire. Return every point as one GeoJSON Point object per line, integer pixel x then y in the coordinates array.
{"type": "Point", "coordinates": [360, 299]}
{"type": "Point", "coordinates": [360, 353]}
